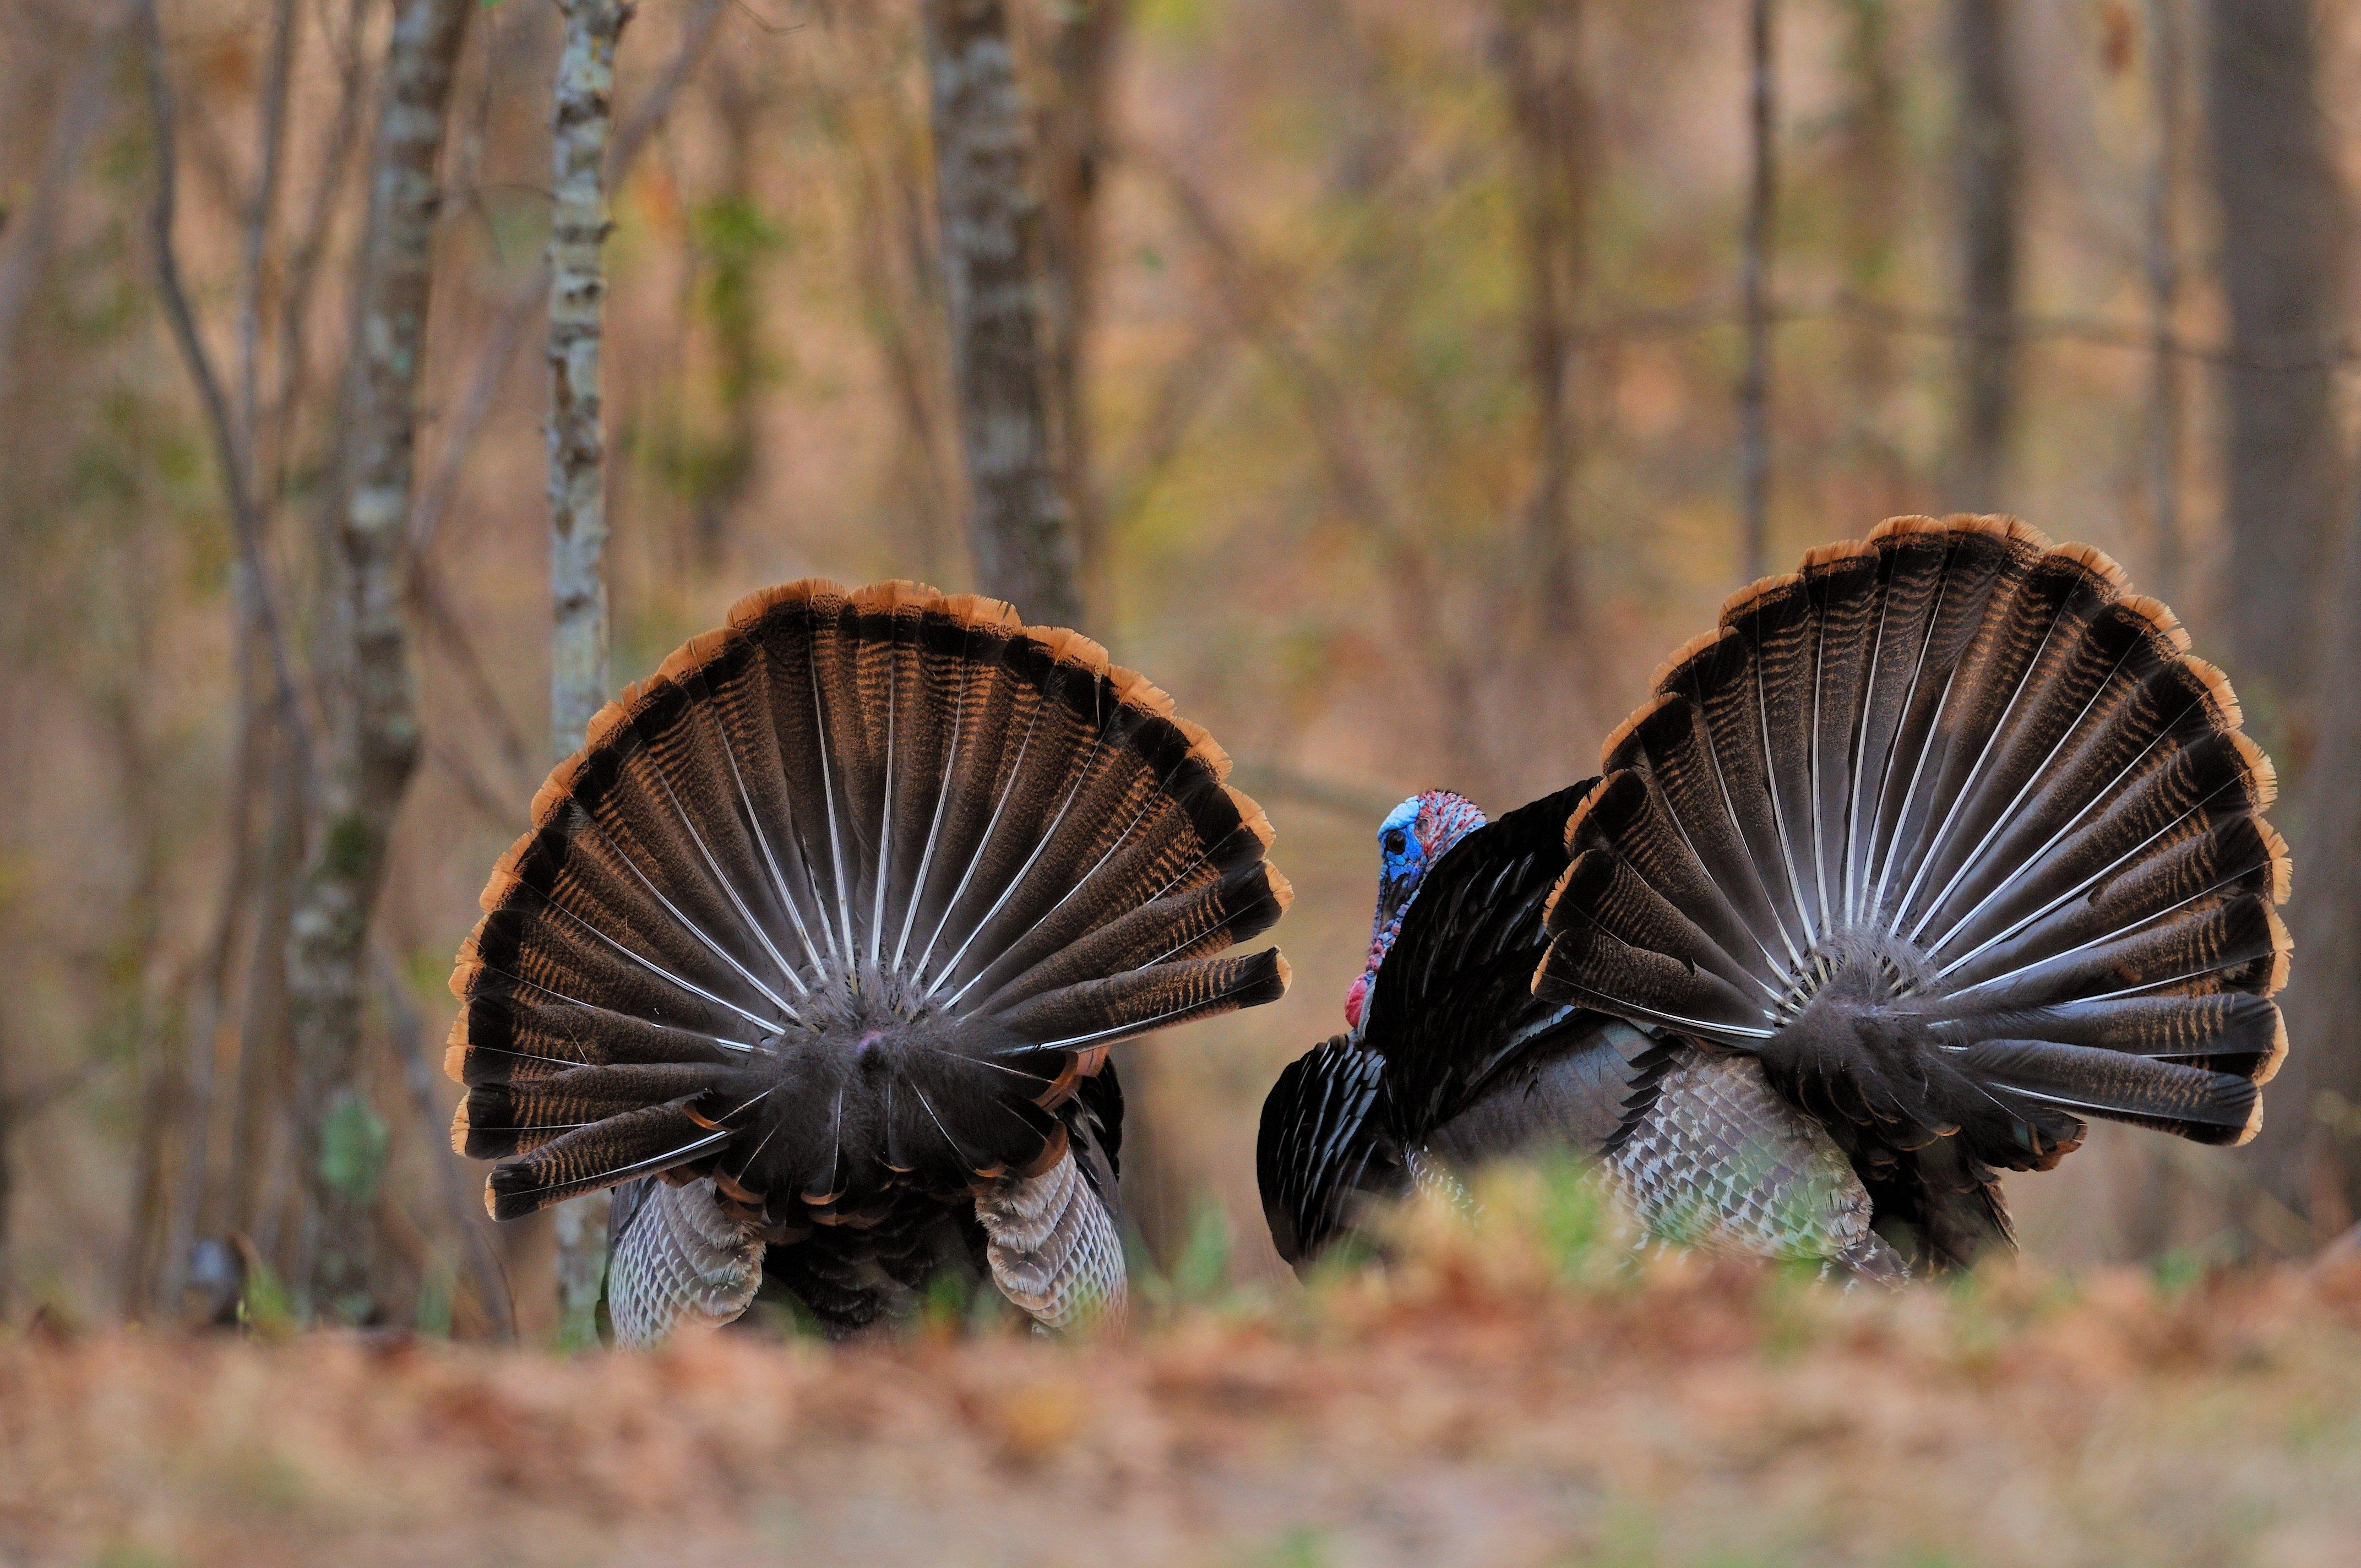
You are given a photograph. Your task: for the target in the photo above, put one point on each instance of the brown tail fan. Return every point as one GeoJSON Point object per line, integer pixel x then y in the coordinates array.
{"type": "Point", "coordinates": [1951, 832]}
{"type": "Point", "coordinates": [847, 898]}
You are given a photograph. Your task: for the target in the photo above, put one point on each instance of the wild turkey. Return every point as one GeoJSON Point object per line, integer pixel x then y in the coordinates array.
{"type": "Point", "coordinates": [820, 942]}
{"type": "Point", "coordinates": [1928, 852]}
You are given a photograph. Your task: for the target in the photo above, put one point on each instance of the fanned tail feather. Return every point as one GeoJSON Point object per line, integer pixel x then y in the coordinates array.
{"type": "Point", "coordinates": [848, 898]}
{"type": "Point", "coordinates": [1951, 831]}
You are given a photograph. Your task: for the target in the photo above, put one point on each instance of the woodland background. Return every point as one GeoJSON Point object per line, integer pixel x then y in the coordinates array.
{"type": "Point", "coordinates": [1410, 375]}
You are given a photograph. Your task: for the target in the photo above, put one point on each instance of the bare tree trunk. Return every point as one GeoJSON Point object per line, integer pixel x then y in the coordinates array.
{"type": "Point", "coordinates": [32, 227]}
{"type": "Point", "coordinates": [1084, 40]}
{"type": "Point", "coordinates": [1991, 177]}
{"type": "Point", "coordinates": [8, 1176]}
{"type": "Point", "coordinates": [2167, 396]}
{"type": "Point", "coordinates": [158, 1052]}
{"type": "Point", "coordinates": [1540, 50]}
{"type": "Point", "coordinates": [582, 124]}
{"type": "Point", "coordinates": [1755, 381]}
{"type": "Point", "coordinates": [367, 764]}
{"type": "Point", "coordinates": [695, 29]}
{"type": "Point", "coordinates": [453, 1181]}
{"type": "Point", "coordinates": [263, 1036]}
{"type": "Point", "coordinates": [733, 291]}
{"type": "Point", "coordinates": [1872, 161]}
{"type": "Point", "coordinates": [2306, 1158]}
{"type": "Point", "coordinates": [901, 279]}
{"type": "Point", "coordinates": [248, 600]}
{"type": "Point", "coordinates": [19, 1106]}
{"type": "Point", "coordinates": [991, 221]}
{"type": "Point", "coordinates": [2286, 224]}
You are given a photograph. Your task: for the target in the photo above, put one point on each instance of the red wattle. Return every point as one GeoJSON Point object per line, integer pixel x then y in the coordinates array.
{"type": "Point", "coordinates": [1354, 999]}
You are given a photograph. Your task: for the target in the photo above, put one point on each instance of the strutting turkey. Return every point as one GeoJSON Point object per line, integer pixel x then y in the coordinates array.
{"type": "Point", "coordinates": [1928, 852]}
{"type": "Point", "coordinates": [819, 946]}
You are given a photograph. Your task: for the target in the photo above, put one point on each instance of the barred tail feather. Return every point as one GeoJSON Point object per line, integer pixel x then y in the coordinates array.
{"type": "Point", "coordinates": [1951, 831]}
{"type": "Point", "coordinates": [848, 898]}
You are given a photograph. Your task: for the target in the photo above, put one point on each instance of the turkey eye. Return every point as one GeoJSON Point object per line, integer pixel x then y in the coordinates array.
{"type": "Point", "coordinates": [1395, 842]}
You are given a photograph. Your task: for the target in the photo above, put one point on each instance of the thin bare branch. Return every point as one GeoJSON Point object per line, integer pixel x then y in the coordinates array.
{"type": "Point", "coordinates": [515, 315]}
{"type": "Point", "coordinates": [230, 454]}
{"type": "Point", "coordinates": [277, 79]}
{"type": "Point", "coordinates": [497, 806]}
{"type": "Point", "coordinates": [1251, 299]}
{"type": "Point", "coordinates": [430, 596]}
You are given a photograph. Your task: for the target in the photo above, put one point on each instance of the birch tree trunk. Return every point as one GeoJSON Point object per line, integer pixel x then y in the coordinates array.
{"type": "Point", "coordinates": [368, 758]}
{"type": "Point", "coordinates": [1990, 176]}
{"type": "Point", "coordinates": [991, 216]}
{"type": "Point", "coordinates": [581, 125]}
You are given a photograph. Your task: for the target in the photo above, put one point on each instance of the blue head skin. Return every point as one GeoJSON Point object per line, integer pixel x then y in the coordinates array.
{"type": "Point", "coordinates": [1413, 836]}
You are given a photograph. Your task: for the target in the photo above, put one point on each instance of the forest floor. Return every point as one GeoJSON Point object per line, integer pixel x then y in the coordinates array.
{"type": "Point", "coordinates": [1481, 1401]}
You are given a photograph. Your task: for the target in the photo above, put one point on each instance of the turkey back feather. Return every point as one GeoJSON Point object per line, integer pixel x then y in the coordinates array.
{"type": "Point", "coordinates": [1323, 1151]}
{"type": "Point", "coordinates": [1453, 999]}
{"type": "Point", "coordinates": [848, 898]}
{"type": "Point", "coordinates": [1951, 831]}
{"type": "Point", "coordinates": [1457, 1057]}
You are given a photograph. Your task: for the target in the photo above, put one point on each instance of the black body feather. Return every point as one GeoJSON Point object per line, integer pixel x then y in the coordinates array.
{"type": "Point", "coordinates": [1458, 1055]}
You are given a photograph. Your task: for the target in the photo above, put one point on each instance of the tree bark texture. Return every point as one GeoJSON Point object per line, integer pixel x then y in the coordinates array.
{"type": "Point", "coordinates": [7, 1177]}
{"type": "Point", "coordinates": [2285, 225]}
{"type": "Point", "coordinates": [1990, 153]}
{"type": "Point", "coordinates": [1084, 41]}
{"type": "Point", "coordinates": [1872, 161]}
{"type": "Point", "coordinates": [1540, 53]}
{"type": "Point", "coordinates": [31, 234]}
{"type": "Point", "coordinates": [369, 758]}
{"type": "Point", "coordinates": [1754, 380]}
{"type": "Point", "coordinates": [991, 216]}
{"type": "Point", "coordinates": [2308, 1151]}
{"type": "Point", "coordinates": [2167, 396]}
{"type": "Point", "coordinates": [581, 125]}
{"type": "Point", "coordinates": [733, 288]}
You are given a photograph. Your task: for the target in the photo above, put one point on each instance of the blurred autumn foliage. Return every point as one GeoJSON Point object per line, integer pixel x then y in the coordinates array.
{"type": "Point", "coordinates": [1393, 354]}
{"type": "Point", "coordinates": [1526, 1391]}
